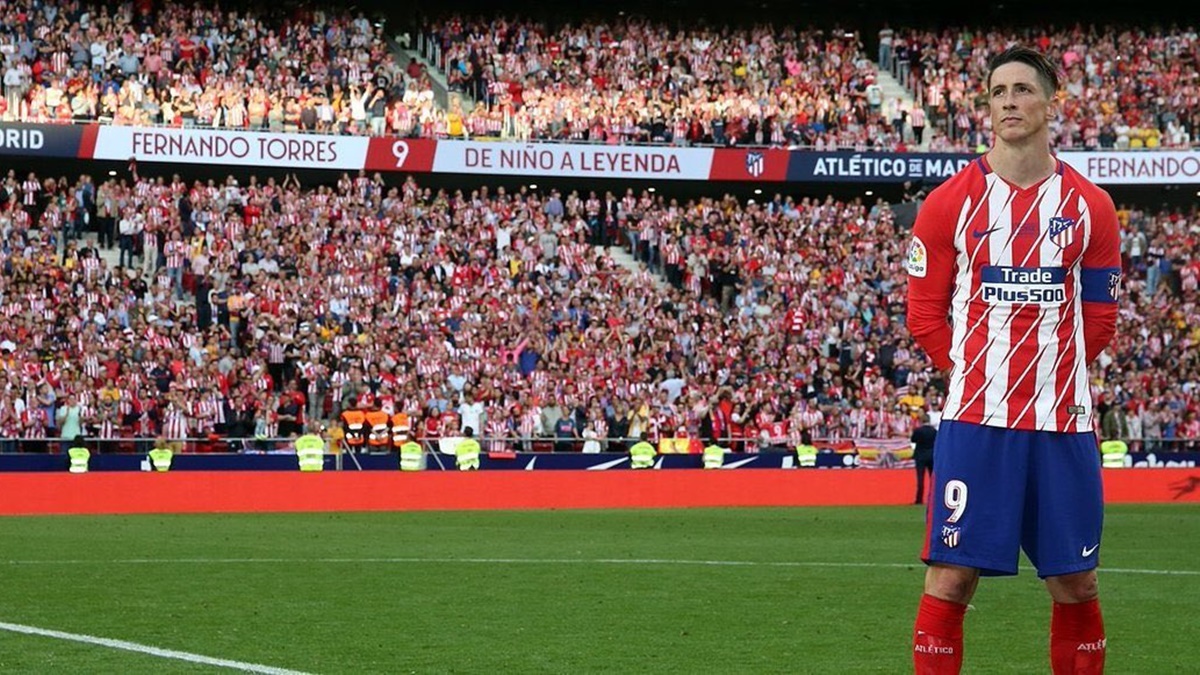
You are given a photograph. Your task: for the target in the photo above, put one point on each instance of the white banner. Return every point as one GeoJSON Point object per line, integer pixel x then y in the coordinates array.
{"type": "Point", "coordinates": [237, 148]}
{"type": "Point", "coordinates": [1137, 167]}
{"type": "Point", "coordinates": [576, 161]}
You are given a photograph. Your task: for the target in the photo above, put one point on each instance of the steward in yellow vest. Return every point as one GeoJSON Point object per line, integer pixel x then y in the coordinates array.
{"type": "Point", "coordinates": [1112, 454]}
{"type": "Point", "coordinates": [641, 455]}
{"type": "Point", "coordinates": [466, 453]}
{"type": "Point", "coordinates": [79, 456]}
{"type": "Point", "coordinates": [714, 456]}
{"type": "Point", "coordinates": [161, 455]}
{"type": "Point", "coordinates": [806, 452]}
{"type": "Point", "coordinates": [412, 455]}
{"type": "Point", "coordinates": [310, 451]}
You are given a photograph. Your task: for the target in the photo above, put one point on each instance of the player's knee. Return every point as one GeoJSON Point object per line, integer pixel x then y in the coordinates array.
{"type": "Point", "coordinates": [1074, 588]}
{"type": "Point", "coordinates": [952, 583]}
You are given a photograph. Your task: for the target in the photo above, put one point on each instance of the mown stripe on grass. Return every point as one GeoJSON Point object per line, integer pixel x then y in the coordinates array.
{"type": "Point", "coordinates": [539, 561]}
{"type": "Point", "coordinates": [147, 649]}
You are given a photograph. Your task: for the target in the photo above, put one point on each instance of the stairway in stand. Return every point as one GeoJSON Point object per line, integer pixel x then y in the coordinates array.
{"type": "Point", "coordinates": [626, 260]}
{"type": "Point", "coordinates": [110, 256]}
{"type": "Point", "coordinates": [892, 90]}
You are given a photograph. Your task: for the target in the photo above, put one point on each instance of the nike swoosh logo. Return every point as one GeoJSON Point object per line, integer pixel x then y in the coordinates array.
{"type": "Point", "coordinates": [980, 234]}
{"type": "Point", "coordinates": [1089, 550]}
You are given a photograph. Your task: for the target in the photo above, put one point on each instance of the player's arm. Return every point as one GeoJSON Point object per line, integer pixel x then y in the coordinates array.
{"type": "Point", "coordinates": [930, 265]}
{"type": "Point", "coordinates": [1100, 276]}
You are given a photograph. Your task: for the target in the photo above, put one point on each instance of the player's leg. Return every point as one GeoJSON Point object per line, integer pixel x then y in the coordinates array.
{"type": "Point", "coordinates": [1062, 540]}
{"type": "Point", "coordinates": [938, 631]}
{"type": "Point", "coordinates": [1078, 644]}
{"type": "Point", "coordinates": [973, 527]}
{"type": "Point", "coordinates": [951, 583]}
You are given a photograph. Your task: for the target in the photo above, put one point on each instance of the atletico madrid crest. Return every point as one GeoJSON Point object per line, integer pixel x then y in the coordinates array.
{"type": "Point", "coordinates": [755, 163]}
{"type": "Point", "coordinates": [950, 535]}
{"type": "Point", "coordinates": [1061, 231]}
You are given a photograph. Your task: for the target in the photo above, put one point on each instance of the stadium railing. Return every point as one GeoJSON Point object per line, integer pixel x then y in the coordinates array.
{"type": "Point", "coordinates": [538, 444]}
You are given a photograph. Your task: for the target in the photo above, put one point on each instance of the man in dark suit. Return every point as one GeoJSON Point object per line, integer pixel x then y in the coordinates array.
{"type": "Point", "coordinates": [608, 215]}
{"type": "Point", "coordinates": [922, 443]}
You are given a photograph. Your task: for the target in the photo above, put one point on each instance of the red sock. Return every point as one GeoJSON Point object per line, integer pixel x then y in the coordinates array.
{"type": "Point", "coordinates": [938, 637]}
{"type": "Point", "coordinates": [1077, 642]}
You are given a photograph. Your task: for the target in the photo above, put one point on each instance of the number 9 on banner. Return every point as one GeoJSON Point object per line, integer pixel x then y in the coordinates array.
{"type": "Point", "coordinates": [400, 152]}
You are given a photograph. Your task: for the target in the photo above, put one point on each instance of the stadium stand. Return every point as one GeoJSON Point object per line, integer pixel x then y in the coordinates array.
{"type": "Point", "coordinates": [169, 306]}
{"type": "Point", "coordinates": [628, 80]}
{"type": "Point", "coordinates": [179, 64]}
{"type": "Point", "coordinates": [776, 316]}
{"type": "Point", "coordinates": [1127, 87]}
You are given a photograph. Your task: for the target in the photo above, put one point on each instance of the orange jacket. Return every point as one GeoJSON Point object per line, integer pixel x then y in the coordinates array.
{"type": "Point", "coordinates": [356, 430]}
{"type": "Point", "coordinates": [401, 427]}
{"type": "Point", "coordinates": [378, 429]}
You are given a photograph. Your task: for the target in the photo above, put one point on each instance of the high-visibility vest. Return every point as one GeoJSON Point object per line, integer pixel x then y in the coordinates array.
{"type": "Point", "coordinates": [355, 423]}
{"type": "Point", "coordinates": [1112, 454]}
{"type": "Point", "coordinates": [379, 431]}
{"type": "Point", "coordinates": [310, 452]}
{"type": "Point", "coordinates": [412, 456]}
{"type": "Point", "coordinates": [401, 428]}
{"type": "Point", "coordinates": [160, 458]}
{"type": "Point", "coordinates": [714, 456]}
{"type": "Point", "coordinates": [806, 455]}
{"type": "Point", "coordinates": [466, 454]}
{"type": "Point", "coordinates": [641, 455]}
{"type": "Point", "coordinates": [79, 459]}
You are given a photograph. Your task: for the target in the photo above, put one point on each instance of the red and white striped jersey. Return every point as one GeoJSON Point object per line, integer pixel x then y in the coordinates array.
{"type": "Point", "coordinates": [175, 421]}
{"type": "Point", "coordinates": [529, 422]}
{"type": "Point", "coordinates": [203, 411]}
{"type": "Point", "coordinates": [176, 252]}
{"type": "Point", "coordinates": [106, 428]}
{"type": "Point", "coordinates": [30, 190]}
{"type": "Point", "coordinates": [1029, 279]}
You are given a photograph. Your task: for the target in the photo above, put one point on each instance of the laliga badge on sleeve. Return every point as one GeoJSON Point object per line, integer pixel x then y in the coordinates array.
{"type": "Point", "coordinates": [918, 261]}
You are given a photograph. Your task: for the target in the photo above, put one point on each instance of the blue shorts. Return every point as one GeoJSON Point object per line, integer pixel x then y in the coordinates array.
{"type": "Point", "coordinates": [997, 491]}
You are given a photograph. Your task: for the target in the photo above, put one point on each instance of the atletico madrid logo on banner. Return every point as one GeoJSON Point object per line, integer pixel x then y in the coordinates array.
{"type": "Point", "coordinates": [755, 163]}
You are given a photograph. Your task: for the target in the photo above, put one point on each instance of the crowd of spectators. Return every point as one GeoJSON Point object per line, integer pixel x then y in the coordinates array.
{"type": "Point", "coordinates": [180, 64]}
{"type": "Point", "coordinates": [628, 79]}
{"type": "Point", "coordinates": [503, 310]}
{"type": "Point", "coordinates": [635, 80]}
{"type": "Point", "coordinates": [1127, 87]}
{"type": "Point", "coordinates": [632, 80]}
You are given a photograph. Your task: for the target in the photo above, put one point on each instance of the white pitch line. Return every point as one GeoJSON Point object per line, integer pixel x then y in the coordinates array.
{"type": "Point", "coordinates": [542, 561]}
{"type": "Point", "coordinates": [147, 649]}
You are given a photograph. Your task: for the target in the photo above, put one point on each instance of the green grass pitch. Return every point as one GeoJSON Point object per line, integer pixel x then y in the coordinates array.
{"type": "Point", "coordinates": [800, 590]}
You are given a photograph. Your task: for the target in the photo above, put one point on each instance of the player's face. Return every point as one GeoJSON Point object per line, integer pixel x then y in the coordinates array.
{"type": "Point", "coordinates": [1020, 105]}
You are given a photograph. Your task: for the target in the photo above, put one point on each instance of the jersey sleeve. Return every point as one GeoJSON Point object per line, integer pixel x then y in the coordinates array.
{"type": "Point", "coordinates": [1100, 276]}
{"type": "Point", "coordinates": [930, 265]}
